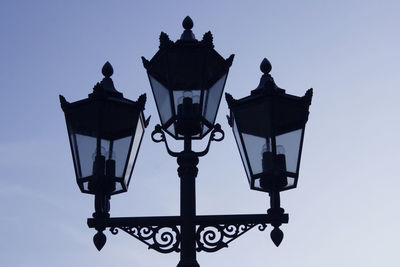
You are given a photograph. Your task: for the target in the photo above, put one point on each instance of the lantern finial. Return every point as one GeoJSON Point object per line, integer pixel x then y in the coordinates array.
{"type": "Point", "coordinates": [265, 66]}
{"type": "Point", "coordinates": [267, 83]}
{"type": "Point", "coordinates": [107, 70]}
{"type": "Point", "coordinates": [106, 85]}
{"type": "Point", "coordinates": [187, 23]}
{"type": "Point", "coordinates": [187, 34]}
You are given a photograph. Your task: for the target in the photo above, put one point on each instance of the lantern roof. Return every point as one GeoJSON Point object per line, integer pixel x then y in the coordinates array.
{"type": "Point", "coordinates": [268, 87]}
{"type": "Point", "coordinates": [287, 112]}
{"type": "Point", "coordinates": [169, 64]}
{"type": "Point", "coordinates": [86, 111]}
{"type": "Point", "coordinates": [102, 90]}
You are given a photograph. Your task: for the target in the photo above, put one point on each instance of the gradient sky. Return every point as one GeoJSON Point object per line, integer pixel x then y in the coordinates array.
{"type": "Point", "coordinates": [345, 211]}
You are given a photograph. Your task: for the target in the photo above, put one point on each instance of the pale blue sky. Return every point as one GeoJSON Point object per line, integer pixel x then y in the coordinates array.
{"type": "Point", "coordinates": [345, 211]}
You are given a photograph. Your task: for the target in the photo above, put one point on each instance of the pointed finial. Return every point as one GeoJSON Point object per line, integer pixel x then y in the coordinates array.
{"type": "Point", "coordinates": [64, 103]}
{"type": "Point", "coordinates": [229, 99]}
{"type": "Point", "coordinates": [308, 96]}
{"type": "Point", "coordinates": [99, 240]}
{"type": "Point", "coordinates": [145, 62]}
{"type": "Point", "coordinates": [107, 70]}
{"type": "Point", "coordinates": [187, 34]}
{"type": "Point", "coordinates": [187, 23]}
{"type": "Point", "coordinates": [141, 101]}
{"type": "Point", "coordinates": [229, 60]}
{"type": "Point", "coordinates": [265, 66]}
{"type": "Point", "coordinates": [277, 236]}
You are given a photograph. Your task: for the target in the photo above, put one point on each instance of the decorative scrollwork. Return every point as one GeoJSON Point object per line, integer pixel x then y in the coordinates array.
{"type": "Point", "coordinates": [213, 137]}
{"type": "Point", "coordinates": [158, 136]}
{"type": "Point", "coordinates": [262, 226]}
{"type": "Point", "coordinates": [114, 230]}
{"type": "Point", "coordinates": [164, 239]}
{"type": "Point", "coordinates": [217, 130]}
{"type": "Point", "coordinates": [211, 238]}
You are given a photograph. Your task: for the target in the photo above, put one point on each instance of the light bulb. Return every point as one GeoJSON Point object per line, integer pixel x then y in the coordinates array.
{"type": "Point", "coordinates": [187, 93]}
{"type": "Point", "coordinates": [105, 153]}
{"type": "Point", "coordinates": [266, 147]}
{"type": "Point", "coordinates": [196, 99]}
{"type": "Point", "coordinates": [280, 150]}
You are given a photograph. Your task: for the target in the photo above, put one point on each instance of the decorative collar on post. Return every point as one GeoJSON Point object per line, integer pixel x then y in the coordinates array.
{"type": "Point", "coordinates": [267, 84]}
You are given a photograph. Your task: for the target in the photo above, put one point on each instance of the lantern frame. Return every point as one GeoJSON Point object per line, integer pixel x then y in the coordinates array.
{"type": "Point", "coordinates": [105, 116]}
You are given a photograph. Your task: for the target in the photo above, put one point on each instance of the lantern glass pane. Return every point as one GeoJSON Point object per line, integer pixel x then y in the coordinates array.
{"type": "Point", "coordinates": [86, 186]}
{"type": "Point", "coordinates": [290, 182]}
{"type": "Point", "coordinates": [212, 99]}
{"type": "Point", "coordinates": [171, 128]}
{"type": "Point", "coordinates": [134, 150]}
{"type": "Point", "coordinates": [257, 184]}
{"type": "Point", "coordinates": [118, 187]}
{"type": "Point", "coordinates": [162, 97]}
{"type": "Point", "coordinates": [255, 146]}
{"type": "Point", "coordinates": [289, 144]}
{"type": "Point", "coordinates": [120, 153]}
{"type": "Point", "coordinates": [84, 150]}
{"type": "Point", "coordinates": [241, 150]}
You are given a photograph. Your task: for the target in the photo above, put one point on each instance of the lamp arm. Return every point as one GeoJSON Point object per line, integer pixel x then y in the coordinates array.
{"type": "Point", "coordinates": [163, 234]}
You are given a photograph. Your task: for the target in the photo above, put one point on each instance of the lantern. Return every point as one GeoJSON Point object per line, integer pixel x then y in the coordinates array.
{"type": "Point", "coordinates": [269, 128]}
{"type": "Point", "coordinates": [105, 131]}
{"type": "Point", "coordinates": [187, 79]}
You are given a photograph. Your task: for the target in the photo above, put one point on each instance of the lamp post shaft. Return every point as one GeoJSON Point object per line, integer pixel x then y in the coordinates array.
{"type": "Point", "coordinates": [187, 171]}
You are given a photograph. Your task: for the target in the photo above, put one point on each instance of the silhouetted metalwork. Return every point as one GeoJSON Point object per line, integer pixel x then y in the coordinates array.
{"type": "Point", "coordinates": [211, 238]}
{"type": "Point", "coordinates": [164, 239]}
{"type": "Point", "coordinates": [187, 78]}
{"type": "Point", "coordinates": [269, 129]}
{"type": "Point", "coordinates": [102, 145]}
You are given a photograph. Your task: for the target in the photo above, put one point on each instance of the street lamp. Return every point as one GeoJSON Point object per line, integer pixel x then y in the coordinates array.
{"type": "Point", "coordinates": [187, 78]}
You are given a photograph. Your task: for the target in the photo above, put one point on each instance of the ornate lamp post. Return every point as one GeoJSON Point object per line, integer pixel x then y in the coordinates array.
{"type": "Point", "coordinates": [187, 78]}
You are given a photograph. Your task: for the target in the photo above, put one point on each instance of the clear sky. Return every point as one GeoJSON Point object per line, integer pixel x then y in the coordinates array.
{"type": "Point", "coordinates": [345, 211]}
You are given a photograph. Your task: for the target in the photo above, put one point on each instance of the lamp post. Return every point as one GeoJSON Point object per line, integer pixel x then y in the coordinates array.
{"type": "Point", "coordinates": [187, 78]}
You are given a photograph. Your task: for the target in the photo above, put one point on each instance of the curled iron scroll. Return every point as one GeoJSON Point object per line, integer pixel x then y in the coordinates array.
{"type": "Point", "coordinates": [158, 136]}
{"type": "Point", "coordinates": [164, 239]}
{"type": "Point", "coordinates": [211, 238]}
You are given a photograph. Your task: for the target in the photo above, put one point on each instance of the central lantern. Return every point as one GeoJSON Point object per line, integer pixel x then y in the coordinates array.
{"type": "Point", "coordinates": [187, 78]}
